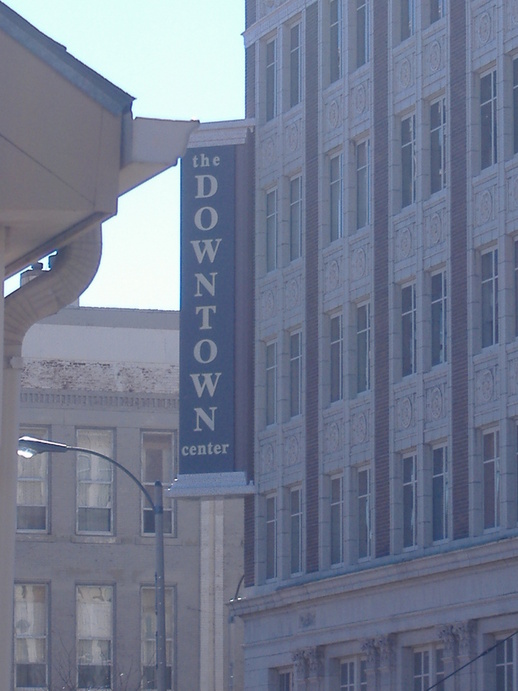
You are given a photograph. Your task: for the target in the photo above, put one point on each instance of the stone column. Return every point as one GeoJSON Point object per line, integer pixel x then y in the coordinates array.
{"type": "Point", "coordinates": [380, 662]}
{"type": "Point", "coordinates": [465, 633]}
{"type": "Point", "coordinates": [446, 634]}
{"type": "Point", "coordinates": [309, 669]}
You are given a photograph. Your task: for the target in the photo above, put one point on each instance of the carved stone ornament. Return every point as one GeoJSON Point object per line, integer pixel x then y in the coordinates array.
{"type": "Point", "coordinates": [485, 206]}
{"type": "Point", "coordinates": [292, 293]}
{"type": "Point", "coordinates": [434, 56]}
{"type": "Point", "coordinates": [333, 437]}
{"type": "Point", "coordinates": [484, 28]}
{"type": "Point", "coordinates": [333, 114]}
{"type": "Point", "coordinates": [268, 300]}
{"type": "Point", "coordinates": [435, 402]}
{"type": "Point", "coordinates": [485, 386]}
{"type": "Point", "coordinates": [405, 73]}
{"type": "Point", "coordinates": [359, 263]}
{"type": "Point", "coordinates": [435, 229]}
{"type": "Point", "coordinates": [360, 99]}
{"type": "Point", "coordinates": [405, 412]}
{"type": "Point", "coordinates": [292, 450]}
{"type": "Point", "coordinates": [332, 275]}
{"type": "Point", "coordinates": [268, 458]}
{"type": "Point", "coordinates": [293, 137]}
{"type": "Point", "coordinates": [360, 428]}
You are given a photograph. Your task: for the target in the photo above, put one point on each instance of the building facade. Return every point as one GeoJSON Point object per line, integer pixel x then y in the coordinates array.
{"type": "Point", "coordinates": [381, 549]}
{"type": "Point", "coordinates": [84, 608]}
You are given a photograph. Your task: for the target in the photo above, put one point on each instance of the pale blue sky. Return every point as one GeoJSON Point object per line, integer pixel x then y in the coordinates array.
{"type": "Point", "coordinates": [180, 59]}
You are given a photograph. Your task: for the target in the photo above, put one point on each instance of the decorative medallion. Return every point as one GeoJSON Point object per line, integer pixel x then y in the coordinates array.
{"type": "Point", "coordinates": [485, 206]}
{"type": "Point", "coordinates": [293, 137]}
{"type": "Point", "coordinates": [405, 73]}
{"type": "Point", "coordinates": [333, 114]}
{"type": "Point", "coordinates": [484, 28]}
{"type": "Point", "coordinates": [405, 412]}
{"type": "Point", "coordinates": [332, 275]}
{"type": "Point", "coordinates": [359, 263]}
{"type": "Point", "coordinates": [268, 458]}
{"type": "Point", "coordinates": [436, 403]}
{"type": "Point", "coordinates": [269, 151]}
{"type": "Point", "coordinates": [405, 242]}
{"type": "Point", "coordinates": [360, 99]}
{"type": "Point", "coordinates": [268, 304]}
{"type": "Point", "coordinates": [333, 437]}
{"type": "Point", "coordinates": [292, 450]}
{"type": "Point", "coordinates": [434, 56]}
{"type": "Point", "coordinates": [292, 293]}
{"type": "Point", "coordinates": [486, 386]}
{"type": "Point", "coordinates": [514, 12]}
{"type": "Point", "coordinates": [513, 193]}
{"type": "Point", "coordinates": [435, 229]}
{"type": "Point", "coordinates": [359, 428]}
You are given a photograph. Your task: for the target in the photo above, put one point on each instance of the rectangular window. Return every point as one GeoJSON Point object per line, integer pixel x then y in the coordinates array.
{"type": "Point", "coordinates": [94, 481]}
{"type": "Point", "coordinates": [408, 330]}
{"type": "Point", "coordinates": [157, 464]}
{"type": "Point", "coordinates": [271, 79]}
{"type": "Point", "coordinates": [271, 230]}
{"type": "Point", "coordinates": [335, 197]}
{"type": "Point", "coordinates": [362, 32]}
{"type": "Point", "coordinates": [438, 145]}
{"type": "Point", "coordinates": [428, 669]}
{"type": "Point", "coordinates": [488, 120]}
{"type": "Point", "coordinates": [271, 383]}
{"type": "Point", "coordinates": [437, 10]}
{"type": "Point", "coordinates": [440, 493]}
{"type": "Point", "coordinates": [489, 298]}
{"type": "Point", "coordinates": [407, 18]}
{"type": "Point", "coordinates": [353, 675]}
{"type": "Point", "coordinates": [516, 288]}
{"type": "Point", "coordinates": [504, 665]}
{"type": "Point", "coordinates": [295, 531]}
{"type": "Point", "coordinates": [295, 62]}
{"type": "Point", "coordinates": [335, 48]}
{"type": "Point", "coordinates": [271, 536]}
{"type": "Point", "coordinates": [515, 105]}
{"type": "Point", "coordinates": [32, 491]}
{"type": "Point", "coordinates": [295, 374]}
{"type": "Point", "coordinates": [295, 218]}
{"type": "Point", "coordinates": [30, 636]}
{"type": "Point", "coordinates": [148, 637]}
{"type": "Point", "coordinates": [439, 318]}
{"type": "Point", "coordinates": [285, 683]}
{"type": "Point", "coordinates": [363, 347]}
{"type": "Point", "coordinates": [491, 474]}
{"type": "Point", "coordinates": [362, 184]}
{"type": "Point", "coordinates": [408, 167]}
{"type": "Point", "coordinates": [336, 519]}
{"type": "Point", "coordinates": [409, 501]}
{"type": "Point", "coordinates": [94, 622]}
{"type": "Point", "coordinates": [364, 514]}
{"type": "Point", "coordinates": [336, 358]}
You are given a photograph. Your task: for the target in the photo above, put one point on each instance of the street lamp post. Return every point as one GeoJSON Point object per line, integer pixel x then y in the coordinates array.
{"type": "Point", "coordinates": [29, 446]}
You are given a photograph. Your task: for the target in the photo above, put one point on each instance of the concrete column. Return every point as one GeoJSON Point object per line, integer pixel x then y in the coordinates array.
{"type": "Point", "coordinates": [309, 669]}
{"type": "Point", "coordinates": [465, 633]}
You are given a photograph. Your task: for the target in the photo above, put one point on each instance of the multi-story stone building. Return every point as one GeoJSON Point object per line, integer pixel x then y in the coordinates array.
{"type": "Point", "coordinates": [382, 545]}
{"type": "Point", "coordinates": [107, 380]}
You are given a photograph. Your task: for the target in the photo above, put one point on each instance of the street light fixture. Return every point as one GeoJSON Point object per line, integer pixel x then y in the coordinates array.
{"type": "Point", "coordinates": [30, 446]}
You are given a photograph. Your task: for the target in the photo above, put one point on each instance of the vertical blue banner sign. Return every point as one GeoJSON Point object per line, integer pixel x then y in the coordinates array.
{"type": "Point", "coordinates": [207, 311]}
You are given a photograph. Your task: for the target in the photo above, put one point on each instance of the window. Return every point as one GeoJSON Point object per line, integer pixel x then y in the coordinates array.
{"type": "Point", "coordinates": [409, 501]}
{"type": "Point", "coordinates": [335, 196]}
{"type": "Point", "coordinates": [362, 32]}
{"type": "Point", "coordinates": [94, 618]}
{"type": "Point", "coordinates": [271, 383]}
{"type": "Point", "coordinates": [271, 79]}
{"type": "Point", "coordinates": [362, 184]}
{"type": "Point", "coordinates": [271, 230]}
{"type": "Point", "coordinates": [336, 358]}
{"type": "Point", "coordinates": [363, 347]}
{"type": "Point", "coordinates": [295, 62]}
{"type": "Point", "coordinates": [489, 299]}
{"type": "Point", "coordinates": [148, 637]}
{"type": "Point", "coordinates": [408, 171]}
{"type": "Point", "coordinates": [439, 318]}
{"type": "Point", "coordinates": [407, 18]}
{"type": "Point", "coordinates": [488, 122]}
{"type": "Point", "coordinates": [515, 105]}
{"type": "Point", "coordinates": [295, 531]}
{"type": "Point", "coordinates": [295, 374]}
{"type": "Point", "coordinates": [285, 683]}
{"type": "Point", "coordinates": [271, 536]}
{"type": "Point", "coordinates": [335, 48]}
{"type": "Point", "coordinates": [364, 514]}
{"type": "Point", "coordinates": [32, 492]}
{"type": "Point", "coordinates": [157, 464]}
{"type": "Point", "coordinates": [94, 482]}
{"type": "Point", "coordinates": [30, 636]}
{"type": "Point", "coordinates": [491, 482]}
{"type": "Point", "coordinates": [408, 330]}
{"type": "Point", "coordinates": [516, 288]}
{"type": "Point", "coordinates": [504, 665]}
{"type": "Point", "coordinates": [438, 145]}
{"type": "Point", "coordinates": [437, 10]}
{"type": "Point", "coordinates": [295, 218]}
{"type": "Point", "coordinates": [440, 493]}
{"type": "Point", "coordinates": [353, 675]}
{"type": "Point", "coordinates": [335, 519]}
{"type": "Point", "coordinates": [428, 669]}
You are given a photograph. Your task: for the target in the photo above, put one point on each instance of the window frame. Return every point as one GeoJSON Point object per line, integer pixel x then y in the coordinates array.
{"type": "Point", "coordinates": [271, 78]}
{"type": "Point", "coordinates": [270, 552]}
{"type": "Point", "coordinates": [438, 317]}
{"type": "Point", "coordinates": [438, 142]}
{"type": "Point", "coordinates": [296, 371]}
{"type": "Point", "coordinates": [335, 40]}
{"type": "Point", "coordinates": [363, 347]}
{"type": "Point", "coordinates": [336, 514]}
{"type": "Point", "coordinates": [271, 383]}
{"type": "Point", "coordinates": [364, 499]}
{"type": "Point", "coordinates": [488, 103]}
{"type": "Point", "coordinates": [336, 209]}
{"type": "Point", "coordinates": [25, 479]}
{"type": "Point", "coordinates": [34, 636]}
{"type": "Point", "coordinates": [148, 635]}
{"type": "Point", "coordinates": [295, 217]}
{"type": "Point", "coordinates": [409, 500]}
{"type": "Point", "coordinates": [108, 641]}
{"type": "Point", "coordinates": [363, 183]}
{"type": "Point", "coordinates": [408, 160]}
{"type": "Point", "coordinates": [296, 518]}
{"type": "Point", "coordinates": [295, 63]}
{"type": "Point", "coordinates": [147, 512]}
{"type": "Point", "coordinates": [362, 32]}
{"type": "Point", "coordinates": [409, 331]}
{"type": "Point", "coordinates": [103, 467]}
{"type": "Point", "coordinates": [336, 358]}
{"type": "Point", "coordinates": [271, 226]}
{"type": "Point", "coordinates": [440, 498]}
{"type": "Point", "coordinates": [491, 475]}
{"type": "Point", "coordinates": [353, 674]}
{"type": "Point", "coordinates": [489, 316]}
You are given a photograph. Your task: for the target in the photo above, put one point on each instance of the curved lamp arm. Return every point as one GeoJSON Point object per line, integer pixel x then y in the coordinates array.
{"type": "Point", "coordinates": [30, 446]}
